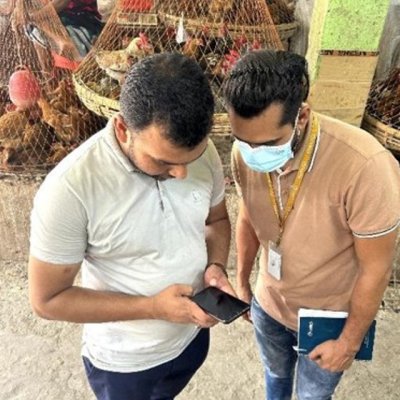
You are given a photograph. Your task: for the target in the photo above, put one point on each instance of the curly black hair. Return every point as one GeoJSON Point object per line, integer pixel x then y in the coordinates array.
{"type": "Point", "coordinates": [263, 77]}
{"type": "Point", "coordinates": [171, 91]}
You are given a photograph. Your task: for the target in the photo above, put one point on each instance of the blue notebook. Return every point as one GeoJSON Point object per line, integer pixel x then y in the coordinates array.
{"type": "Point", "coordinates": [317, 326]}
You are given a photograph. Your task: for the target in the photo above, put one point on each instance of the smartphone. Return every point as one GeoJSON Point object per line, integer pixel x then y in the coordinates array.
{"type": "Point", "coordinates": [220, 305]}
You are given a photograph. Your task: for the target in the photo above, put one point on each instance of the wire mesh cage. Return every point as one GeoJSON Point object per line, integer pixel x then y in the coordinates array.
{"type": "Point", "coordinates": [382, 116]}
{"type": "Point", "coordinates": [41, 117]}
{"type": "Point", "coordinates": [213, 32]}
{"type": "Point", "coordinates": [284, 19]}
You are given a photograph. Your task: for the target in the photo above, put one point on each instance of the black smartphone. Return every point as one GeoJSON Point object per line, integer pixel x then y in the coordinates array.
{"type": "Point", "coordinates": [219, 304]}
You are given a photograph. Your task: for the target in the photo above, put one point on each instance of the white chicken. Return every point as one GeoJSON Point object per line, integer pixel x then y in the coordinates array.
{"type": "Point", "coordinates": [116, 63]}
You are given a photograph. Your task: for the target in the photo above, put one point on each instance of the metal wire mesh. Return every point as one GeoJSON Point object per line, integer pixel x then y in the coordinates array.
{"type": "Point", "coordinates": [215, 33]}
{"type": "Point", "coordinates": [382, 115]}
{"type": "Point", "coordinates": [41, 118]}
{"type": "Point", "coordinates": [384, 100]}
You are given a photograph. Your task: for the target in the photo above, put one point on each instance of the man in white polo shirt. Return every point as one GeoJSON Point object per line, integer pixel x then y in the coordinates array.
{"type": "Point", "coordinates": [145, 242]}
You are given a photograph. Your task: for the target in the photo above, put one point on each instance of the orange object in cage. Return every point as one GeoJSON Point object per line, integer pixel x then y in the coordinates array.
{"type": "Point", "coordinates": [23, 88]}
{"type": "Point", "coordinates": [41, 118]}
{"type": "Point", "coordinates": [137, 5]}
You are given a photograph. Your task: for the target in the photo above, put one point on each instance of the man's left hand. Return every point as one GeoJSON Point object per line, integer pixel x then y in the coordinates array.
{"type": "Point", "coordinates": [333, 355]}
{"type": "Point", "coordinates": [214, 276]}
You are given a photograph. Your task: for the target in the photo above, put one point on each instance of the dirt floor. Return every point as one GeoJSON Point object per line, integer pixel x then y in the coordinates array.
{"type": "Point", "coordinates": [40, 359]}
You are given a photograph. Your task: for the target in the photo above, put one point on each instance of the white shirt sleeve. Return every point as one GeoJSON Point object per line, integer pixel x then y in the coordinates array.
{"type": "Point", "coordinates": [218, 192]}
{"type": "Point", "coordinates": [58, 224]}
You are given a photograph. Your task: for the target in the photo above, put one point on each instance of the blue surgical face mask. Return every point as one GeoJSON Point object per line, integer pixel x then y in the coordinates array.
{"type": "Point", "coordinates": [267, 158]}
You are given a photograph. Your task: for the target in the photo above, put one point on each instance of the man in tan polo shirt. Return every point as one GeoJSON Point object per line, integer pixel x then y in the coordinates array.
{"type": "Point", "coordinates": [321, 199]}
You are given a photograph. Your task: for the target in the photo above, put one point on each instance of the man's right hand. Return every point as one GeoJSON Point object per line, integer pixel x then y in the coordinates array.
{"type": "Point", "coordinates": [173, 304]}
{"type": "Point", "coordinates": [244, 293]}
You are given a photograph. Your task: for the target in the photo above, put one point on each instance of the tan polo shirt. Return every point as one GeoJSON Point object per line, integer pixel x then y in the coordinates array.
{"type": "Point", "coordinates": [352, 188]}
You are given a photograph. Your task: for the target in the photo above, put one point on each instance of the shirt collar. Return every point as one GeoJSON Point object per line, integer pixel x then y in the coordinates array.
{"type": "Point", "coordinates": [112, 142]}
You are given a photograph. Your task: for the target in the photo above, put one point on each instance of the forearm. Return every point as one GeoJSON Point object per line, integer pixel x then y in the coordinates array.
{"type": "Point", "coordinates": [365, 301]}
{"type": "Point", "coordinates": [375, 258]}
{"type": "Point", "coordinates": [82, 305]}
{"type": "Point", "coordinates": [247, 246]}
{"type": "Point", "coordinates": [218, 238]}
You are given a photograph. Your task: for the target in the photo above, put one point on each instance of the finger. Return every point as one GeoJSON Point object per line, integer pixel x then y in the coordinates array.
{"type": "Point", "coordinates": [213, 282]}
{"type": "Point", "coordinates": [248, 315]}
{"type": "Point", "coordinates": [227, 287]}
{"type": "Point", "coordinates": [223, 284]}
{"type": "Point", "coordinates": [202, 318]}
{"type": "Point", "coordinates": [206, 323]}
{"type": "Point", "coordinates": [315, 355]}
{"type": "Point", "coordinates": [184, 290]}
{"type": "Point", "coordinates": [247, 319]}
{"type": "Point", "coordinates": [318, 361]}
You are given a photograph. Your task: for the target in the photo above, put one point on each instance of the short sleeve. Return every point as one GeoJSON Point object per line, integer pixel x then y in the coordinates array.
{"type": "Point", "coordinates": [218, 192]}
{"type": "Point", "coordinates": [373, 197]}
{"type": "Point", "coordinates": [58, 224]}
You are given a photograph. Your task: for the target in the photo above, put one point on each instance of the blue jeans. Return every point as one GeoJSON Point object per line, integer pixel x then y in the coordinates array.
{"type": "Point", "coordinates": [279, 359]}
{"type": "Point", "coordinates": [163, 382]}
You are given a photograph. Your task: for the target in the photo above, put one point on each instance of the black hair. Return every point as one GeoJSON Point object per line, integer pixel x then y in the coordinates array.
{"type": "Point", "coordinates": [171, 91]}
{"type": "Point", "coordinates": [263, 77]}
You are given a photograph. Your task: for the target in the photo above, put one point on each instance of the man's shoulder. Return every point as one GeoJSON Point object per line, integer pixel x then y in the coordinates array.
{"type": "Point", "coordinates": [77, 158]}
{"type": "Point", "coordinates": [349, 140]}
{"type": "Point", "coordinates": [79, 162]}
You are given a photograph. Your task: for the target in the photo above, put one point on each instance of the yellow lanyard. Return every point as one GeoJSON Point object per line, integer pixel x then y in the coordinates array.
{"type": "Point", "coordinates": [304, 165]}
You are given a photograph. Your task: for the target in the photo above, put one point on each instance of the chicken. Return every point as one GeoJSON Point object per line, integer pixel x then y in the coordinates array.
{"type": "Point", "coordinates": [13, 154]}
{"type": "Point", "coordinates": [38, 136]}
{"type": "Point", "coordinates": [60, 122]}
{"type": "Point", "coordinates": [116, 63]}
{"type": "Point", "coordinates": [12, 125]}
{"type": "Point", "coordinates": [220, 9]}
{"type": "Point", "coordinates": [58, 152]}
{"type": "Point", "coordinates": [192, 48]}
{"type": "Point", "coordinates": [225, 64]}
{"type": "Point", "coordinates": [8, 155]}
{"type": "Point", "coordinates": [221, 43]}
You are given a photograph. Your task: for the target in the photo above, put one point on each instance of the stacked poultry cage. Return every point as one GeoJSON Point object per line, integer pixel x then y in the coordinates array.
{"type": "Point", "coordinates": [41, 118]}
{"type": "Point", "coordinates": [382, 115]}
{"type": "Point", "coordinates": [213, 32]}
{"type": "Point", "coordinates": [284, 20]}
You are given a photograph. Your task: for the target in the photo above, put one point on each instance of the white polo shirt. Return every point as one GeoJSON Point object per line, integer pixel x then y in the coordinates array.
{"type": "Point", "coordinates": [133, 234]}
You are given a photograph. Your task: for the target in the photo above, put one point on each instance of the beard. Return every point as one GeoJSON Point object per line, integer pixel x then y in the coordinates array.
{"type": "Point", "coordinates": [135, 163]}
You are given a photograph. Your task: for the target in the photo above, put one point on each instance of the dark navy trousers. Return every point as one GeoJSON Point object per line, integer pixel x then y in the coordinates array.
{"type": "Point", "coordinates": [163, 382]}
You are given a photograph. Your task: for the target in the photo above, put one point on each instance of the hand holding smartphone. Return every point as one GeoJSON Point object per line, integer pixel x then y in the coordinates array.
{"type": "Point", "coordinates": [220, 305]}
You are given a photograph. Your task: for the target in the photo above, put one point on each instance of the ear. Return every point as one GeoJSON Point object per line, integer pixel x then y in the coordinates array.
{"type": "Point", "coordinates": [121, 130]}
{"type": "Point", "coordinates": [304, 116]}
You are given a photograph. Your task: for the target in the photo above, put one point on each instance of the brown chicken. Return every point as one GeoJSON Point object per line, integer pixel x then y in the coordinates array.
{"type": "Point", "coordinates": [192, 48]}
{"type": "Point", "coordinates": [58, 152]}
{"type": "Point", "coordinates": [13, 154]}
{"type": "Point", "coordinates": [12, 125]}
{"type": "Point", "coordinates": [218, 67]}
{"type": "Point", "coordinates": [220, 8]}
{"type": "Point", "coordinates": [60, 122]}
{"type": "Point", "coordinates": [39, 136]}
{"type": "Point", "coordinates": [116, 63]}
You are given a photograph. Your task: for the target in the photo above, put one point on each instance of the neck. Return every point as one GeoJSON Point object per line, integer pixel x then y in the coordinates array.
{"type": "Point", "coordinates": [299, 140]}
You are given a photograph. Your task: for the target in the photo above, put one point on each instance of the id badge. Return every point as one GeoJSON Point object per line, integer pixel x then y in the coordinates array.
{"type": "Point", "coordinates": [274, 261]}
